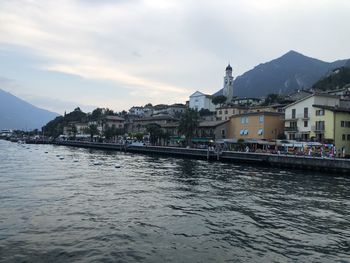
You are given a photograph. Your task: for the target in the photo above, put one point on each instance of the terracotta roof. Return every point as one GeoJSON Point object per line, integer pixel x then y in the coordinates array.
{"type": "Point", "coordinates": [211, 123]}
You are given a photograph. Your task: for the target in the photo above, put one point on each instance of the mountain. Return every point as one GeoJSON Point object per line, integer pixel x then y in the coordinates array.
{"type": "Point", "coordinates": [283, 75]}
{"type": "Point", "coordinates": [338, 79]}
{"type": "Point", "coordinates": [15, 113]}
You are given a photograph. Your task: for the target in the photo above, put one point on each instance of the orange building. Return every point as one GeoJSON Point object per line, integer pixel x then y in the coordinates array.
{"type": "Point", "coordinates": [256, 125]}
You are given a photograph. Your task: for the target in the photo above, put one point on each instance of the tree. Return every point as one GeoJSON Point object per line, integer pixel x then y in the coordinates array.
{"type": "Point", "coordinates": [189, 124]}
{"type": "Point", "coordinates": [272, 99]}
{"type": "Point", "coordinates": [205, 112]}
{"type": "Point", "coordinates": [96, 114]}
{"type": "Point", "coordinates": [110, 132]}
{"type": "Point", "coordinates": [139, 136]}
{"type": "Point", "coordinates": [92, 129]}
{"type": "Point", "coordinates": [219, 100]}
{"type": "Point", "coordinates": [74, 131]}
{"type": "Point", "coordinates": [155, 132]}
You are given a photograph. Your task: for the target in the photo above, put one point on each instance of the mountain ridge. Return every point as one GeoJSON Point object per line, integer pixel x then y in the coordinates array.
{"type": "Point", "coordinates": [283, 75]}
{"type": "Point", "coordinates": [16, 113]}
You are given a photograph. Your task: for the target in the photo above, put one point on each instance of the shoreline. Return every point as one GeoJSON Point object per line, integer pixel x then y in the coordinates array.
{"type": "Point", "coordinates": [330, 165]}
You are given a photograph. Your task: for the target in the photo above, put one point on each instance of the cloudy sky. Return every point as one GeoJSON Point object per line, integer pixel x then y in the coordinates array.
{"type": "Point", "coordinates": [60, 54]}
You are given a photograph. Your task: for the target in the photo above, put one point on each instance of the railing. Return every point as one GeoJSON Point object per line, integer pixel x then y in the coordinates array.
{"type": "Point", "coordinates": [317, 128]}
{"type": "Point", "coordinates": [291, 128]}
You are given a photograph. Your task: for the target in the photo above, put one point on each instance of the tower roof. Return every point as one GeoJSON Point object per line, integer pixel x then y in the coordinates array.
{"type": "Point", "coordinates": [229, 67]}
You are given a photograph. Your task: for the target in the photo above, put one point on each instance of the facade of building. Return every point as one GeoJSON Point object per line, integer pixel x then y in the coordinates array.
{"type": "Point", "coordinates": [332, 124]}
{"type": "Point", "coordinates": [140, 125]}
{"type": "Point", "coordinates": [141, 111]}
{"type": "Point", "coordinates": [225, 112]}
{"type": "Point", "coordinates": [256, 125]}
{"type": "Point", "coordinates": [199, 100]}
{"type": "Point", "coordinates": [212, 129]}
{"type": "Point", "coordinates": [118, 122]}
{"type": "Point", "coordinates": [298, 115]}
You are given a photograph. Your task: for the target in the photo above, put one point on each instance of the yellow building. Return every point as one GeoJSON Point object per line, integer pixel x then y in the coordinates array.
{"type": "Point", "coordinates": [332, 124]}
{"type": "Point", "coordinates": [256, 125]}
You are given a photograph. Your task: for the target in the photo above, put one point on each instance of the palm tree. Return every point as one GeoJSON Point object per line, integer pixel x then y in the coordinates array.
{"type": "Point", "coordinates": [188, 124]}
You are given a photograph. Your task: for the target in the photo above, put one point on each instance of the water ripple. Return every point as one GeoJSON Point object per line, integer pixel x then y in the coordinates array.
{"type": "Point", "coordinates": [156, 209]}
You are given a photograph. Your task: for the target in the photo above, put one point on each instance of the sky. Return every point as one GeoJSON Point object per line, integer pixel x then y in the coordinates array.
{"type": "Point", "coordinates": [119, 53]}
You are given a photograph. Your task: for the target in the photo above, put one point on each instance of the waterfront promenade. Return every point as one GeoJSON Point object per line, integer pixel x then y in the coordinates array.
{"type": "Point", "coordinates": [329, 165]}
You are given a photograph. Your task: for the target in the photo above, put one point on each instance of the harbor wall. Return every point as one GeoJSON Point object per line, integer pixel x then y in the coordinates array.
{"type": "Point", "coordinates": [336, 165]}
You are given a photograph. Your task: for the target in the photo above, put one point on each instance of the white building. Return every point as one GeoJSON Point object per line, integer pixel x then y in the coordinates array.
{"type": "Point", "coordinates": [199, 100]}
{"type": "Point", "coordinates": [299, 114]}
{"type": "Point", "coordinates": [141, 111]}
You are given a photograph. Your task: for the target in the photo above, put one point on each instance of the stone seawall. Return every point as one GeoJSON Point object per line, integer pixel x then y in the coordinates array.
{"type": "Point", "coordinates": [295, 162]}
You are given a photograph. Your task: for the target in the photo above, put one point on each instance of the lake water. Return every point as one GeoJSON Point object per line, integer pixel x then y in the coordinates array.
{"type": "Point", "coordinates": [157, 209]}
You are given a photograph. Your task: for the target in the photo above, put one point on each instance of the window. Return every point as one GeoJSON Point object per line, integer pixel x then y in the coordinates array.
{"type": "Point", "coordinates": [220, 112]}
{"type": "Point", "coordinates": [293, 113]}
{"type": "Point", "coordinates": [260, 131]}
{"type": "Point", "coordinates": [319, 112]}
{"type": "Point", "coordinates": [348, 137]}
{"type": "Point", "coordinates": [343, 137]}
{"type": "Point", "coordinates": [293, 124]}
{"type": "Point", "coordinates": [319, 125]}
{"type": "Point", "coordinates": [241, 132]}
{"type": "Point", "coordinates": [226, 111]}
{"type": "Point", "coordinates": [342, 123]}
{"type": "Point", "coordinates": [261, 119]}
{"type": "Point", "coordinates": [305, 123]}
{"type": "Point", "coordinates": [306, 112]}
{"type": "Point", "coordinates": [245, 132]}
{"type": "Point", "coordinates": [223, 132]}
{"type": "Point", "coordinates": [244, 120]}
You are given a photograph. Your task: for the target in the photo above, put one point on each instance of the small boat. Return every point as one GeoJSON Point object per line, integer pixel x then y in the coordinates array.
{"type": "Point", "coordinates": [46, 152]}
{"type": "Point", "coordinates": [75, 160]}
{"type": "Point", "coordinates": [61, 158]}
{"type": "Point", "coordinates": [96, 163]}
{"type": "Point", "coordinates": [117, 166]}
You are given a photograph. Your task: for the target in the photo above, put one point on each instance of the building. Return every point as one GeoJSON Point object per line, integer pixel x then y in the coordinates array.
{"type": "Point", "coordinates": [256, 125]}
{"type": "Point", "coordinates": [332, 125]}
{"type": "Point", "coordinates": [246, 101]}
{"type": "Point", "coordinates": [298, 115]}
{"type": "Point", "coordinates": [228, 84]}
{"type": "Point", "coordinates": [141, 111]}
{"type": "Point", "coordinates": [81, 128]}
{"type": "Point", "coordinates": [225, 112]}
{"type": "Point", "coordinates": [199, 100]}
{"type": "Point", "coordinates": [213, 130]}
{"type": "Point", "coordinates": [173, 110]}
{"type": "Point", "coordinates": [116, 121]}
{"type": "Point", "coordinates": [140, 125]}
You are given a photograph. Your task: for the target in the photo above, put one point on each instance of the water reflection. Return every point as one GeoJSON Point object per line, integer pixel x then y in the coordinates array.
{"type": "Point", "coordinates": [158, 209]}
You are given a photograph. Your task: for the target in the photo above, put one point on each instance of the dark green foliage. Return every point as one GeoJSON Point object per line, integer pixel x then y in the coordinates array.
{"type": "Point", "coordinates": [92, 130]}
{"type": "Point", "coordinates": [189, 124]}
{"type": "Point", "coordinates": [336, 80]}
{"type": "Point", "coordinates": [205, 112]}
{"type": "Point", "coordinates": [221, 99]}
{"type": "Point", "coordinates": [273, 99]}
{"type": "Point", "coordinates": [155, 132]}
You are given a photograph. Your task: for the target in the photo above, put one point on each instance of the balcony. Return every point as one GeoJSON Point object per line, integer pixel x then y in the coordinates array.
{"type": "Point", "coordinates": [297, 117]}
{"type": "Point", "coordinates": [318, 129]}
{"type": "Point", "coordinates": [291, 128]}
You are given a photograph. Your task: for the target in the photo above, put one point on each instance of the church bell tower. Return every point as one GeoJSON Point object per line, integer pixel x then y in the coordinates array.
{"type": "Point", "coordinates": [228, 84]}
